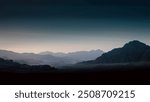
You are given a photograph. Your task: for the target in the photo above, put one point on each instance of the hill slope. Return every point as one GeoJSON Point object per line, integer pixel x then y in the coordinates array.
{"type": "Point", "coordinates": [134, 51]}
{"type": "Point", "coordinates": [11, 66]}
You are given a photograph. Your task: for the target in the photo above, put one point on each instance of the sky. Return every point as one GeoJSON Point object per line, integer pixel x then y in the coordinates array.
{"type": "Point", "coordinates": [72, 25]}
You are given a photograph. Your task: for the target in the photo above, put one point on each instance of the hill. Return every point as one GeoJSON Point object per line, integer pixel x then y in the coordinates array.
{"type": "Point", "coordinates": [14, 67]}
{"type": "Point", "coordinates": [134, 51]}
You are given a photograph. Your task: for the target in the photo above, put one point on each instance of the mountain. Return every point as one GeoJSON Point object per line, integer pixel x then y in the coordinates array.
{"type": "Point", "coordinates": [50, 58]}
{"type": "Point", "coordinates": [134, 51]}
{"type": "Point", "coordinates": [77, 56]}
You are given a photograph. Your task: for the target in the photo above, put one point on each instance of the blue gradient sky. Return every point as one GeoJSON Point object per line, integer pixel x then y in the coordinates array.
{"type": "Point", "coordinates": [72, 26]}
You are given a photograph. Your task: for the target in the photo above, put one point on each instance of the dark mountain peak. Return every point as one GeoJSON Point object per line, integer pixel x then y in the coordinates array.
{"type": "Point", "coordinates": [134, 51]}
{"type": "Point", "coordinates": [135, 44]}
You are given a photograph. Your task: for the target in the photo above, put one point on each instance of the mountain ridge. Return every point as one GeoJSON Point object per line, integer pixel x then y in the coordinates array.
{"type": "Point", "coordinates": [134, 51]}
{"type": "Point", "coordinates": [50, 58]}
{"type": "Point", "coordinates": [78, 55]}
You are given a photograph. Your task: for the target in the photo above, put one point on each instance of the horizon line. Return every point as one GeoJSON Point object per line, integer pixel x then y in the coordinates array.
{"type": "Point", "coordinates": [50, 51]}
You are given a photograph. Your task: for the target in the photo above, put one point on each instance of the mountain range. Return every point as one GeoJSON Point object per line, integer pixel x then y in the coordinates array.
{"type": "Point", "coordinates": [118, 66]}
{"type": "Point", "coordinates": [134, 51]}
{"type": "Point", "coordinates": [78, 55]}
{"type": "Point", "coordinates": [50, 58]}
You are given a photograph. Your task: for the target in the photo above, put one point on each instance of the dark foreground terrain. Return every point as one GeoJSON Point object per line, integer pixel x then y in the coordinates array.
{"type": "Point", "coordinates": [99, 74]}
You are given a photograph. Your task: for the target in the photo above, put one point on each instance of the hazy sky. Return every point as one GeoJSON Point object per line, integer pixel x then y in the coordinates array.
{"type": "Point", "coordinates": [66, 26]}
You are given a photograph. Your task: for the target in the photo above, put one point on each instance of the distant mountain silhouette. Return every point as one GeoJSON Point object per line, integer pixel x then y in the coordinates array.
{"type": "Point", "coordinates": [35, 59]}
{"type": "Point", "coordinates": [134, 51]}
{"type": "Point", "coordinates": [77, 56]}
{"type": "Point", "coordinates": [88, 72]}
{"type": "Point", "coordinates": [50, 58]}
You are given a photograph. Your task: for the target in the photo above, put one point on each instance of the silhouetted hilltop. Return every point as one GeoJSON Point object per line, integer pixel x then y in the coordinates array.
{"type": "Point", "coordinates": [134, 51]}
{"type": "Point", "coordinates": [11, 66]}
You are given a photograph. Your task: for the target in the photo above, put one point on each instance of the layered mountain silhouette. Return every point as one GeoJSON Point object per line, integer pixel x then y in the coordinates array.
{"type": "Point", "coordinates": [118, 66]}
{"type": "Point", "coordinates": [34, 59]}
{"type": "Point", "coordinates": [134, 51]}
{"type": "Point", "coordinates": [50, 58]}
{"type": "Point", "coordinates": [78, 55]}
